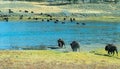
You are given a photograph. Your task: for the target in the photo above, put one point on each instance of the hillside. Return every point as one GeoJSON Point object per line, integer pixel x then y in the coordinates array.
{"type": "Point", "coordinates": [109, 12]}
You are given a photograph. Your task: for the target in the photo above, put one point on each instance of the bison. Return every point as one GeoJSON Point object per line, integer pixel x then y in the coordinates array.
{"type": "Point", "coordinates": [75, 45]}
{"type": "Point", "coordinates": [61, 43]}
{"type": "Point", "coordinates": [111, 49]}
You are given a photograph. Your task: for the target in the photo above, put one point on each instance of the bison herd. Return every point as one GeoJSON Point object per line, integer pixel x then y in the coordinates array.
{"type": "Point", "coordinates": [75, 46]}
{"type": "Point", "coordinates": [25, 14]}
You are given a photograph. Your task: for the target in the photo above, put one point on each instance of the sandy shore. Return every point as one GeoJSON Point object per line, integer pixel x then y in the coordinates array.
{"type": "Point", "coordinates": [86, 48]}
{"type": "Point", "coordinates": [66, 48]}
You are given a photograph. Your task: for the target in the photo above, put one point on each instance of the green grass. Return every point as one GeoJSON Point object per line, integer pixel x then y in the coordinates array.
{"type": "Point", "coordinates": [45, 59]}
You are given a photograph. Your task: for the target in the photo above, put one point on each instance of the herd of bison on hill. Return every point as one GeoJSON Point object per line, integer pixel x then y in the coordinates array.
{"type": "Point", "coordinates": [48, 18]}
{"type": "Point", "coordinates": [74, 45]}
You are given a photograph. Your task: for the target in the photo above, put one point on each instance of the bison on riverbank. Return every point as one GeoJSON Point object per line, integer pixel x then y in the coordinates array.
{"type": "Point", "coordinates": [75, 46]}
{"type": "Point", "coordinates": [111, 49]}
{"type": "Point", "coordinates": [61, 43]}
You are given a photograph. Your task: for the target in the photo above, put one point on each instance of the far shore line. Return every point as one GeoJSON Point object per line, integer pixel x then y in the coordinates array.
{"type": "Point", "coordinates": [77, 19]}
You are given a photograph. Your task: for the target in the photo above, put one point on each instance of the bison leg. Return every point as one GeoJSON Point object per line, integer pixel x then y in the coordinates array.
{"type": "Point", "coordinates": [117, 52]}
{"type": "Point", "coordinates": [60, 45]}
{"type": "Point", "coordinates": [109, 52]}
{"type": "Point", "coordinates": [113, 52]}
{"type": "Point", "coordinates": [74, 49]}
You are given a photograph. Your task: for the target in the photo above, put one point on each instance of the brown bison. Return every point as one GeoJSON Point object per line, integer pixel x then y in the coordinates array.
{"type": "Point", "coordinates": [75, 46]}
{"type": "Point", "coordinates": [61, 43]}
{"type": "Point", "coordinates": [111, 49]}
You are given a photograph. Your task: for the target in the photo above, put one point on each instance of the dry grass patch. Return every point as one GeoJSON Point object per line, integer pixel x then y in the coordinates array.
{"type": "Point", "coordinates": [35, 59]}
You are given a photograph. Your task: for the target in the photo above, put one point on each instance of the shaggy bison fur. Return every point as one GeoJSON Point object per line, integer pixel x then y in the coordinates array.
{"type": "Point", "coordinates": [61, 43]}
{"type": "Point", "coordinates": [75, 45]}
{"type": "Point", "coordinates": [111, 49]}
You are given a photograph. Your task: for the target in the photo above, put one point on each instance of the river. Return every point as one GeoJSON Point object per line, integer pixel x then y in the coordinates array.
{"type": "Point", "coordinates": [35, 33]}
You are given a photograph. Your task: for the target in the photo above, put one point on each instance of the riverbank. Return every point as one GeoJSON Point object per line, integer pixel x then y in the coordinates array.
{"type": "Point", "coordinates": [29, 11]}
{"type": "Point", "coordinates": [61, 19]}
{"type": "Point", "coordinates": [45, 59]}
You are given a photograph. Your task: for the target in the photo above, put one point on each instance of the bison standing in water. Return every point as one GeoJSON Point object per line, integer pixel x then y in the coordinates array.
{"type": "Point", "coordinates": [111, 49]}
{"type": "Point", "coordinates": [61, 43]}
{"type": "Point", "coordinates": [75, 45]}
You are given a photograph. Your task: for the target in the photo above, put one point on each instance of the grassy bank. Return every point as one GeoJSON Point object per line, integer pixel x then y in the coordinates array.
{"type": "Point", "coordinates": [81, 12]}
{"type": "Point", "coordinates": [45, 59]}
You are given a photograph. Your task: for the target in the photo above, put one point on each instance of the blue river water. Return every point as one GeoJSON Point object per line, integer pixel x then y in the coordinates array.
{"type": "Point", "coordinates": [34, 33]}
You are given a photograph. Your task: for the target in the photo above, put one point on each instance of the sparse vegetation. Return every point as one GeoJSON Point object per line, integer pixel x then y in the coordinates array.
{"type": "Point", "coordinates": [45, 59]}
{"type": "Point", "coordinates": [82, 12]}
